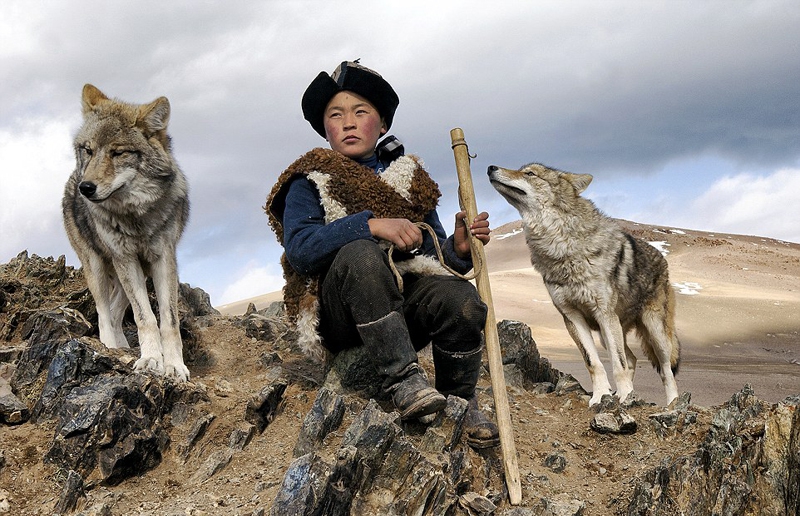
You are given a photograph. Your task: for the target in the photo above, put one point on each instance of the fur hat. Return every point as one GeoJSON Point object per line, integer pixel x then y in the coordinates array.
{"type": "Point", "coordinates": [350, 76]}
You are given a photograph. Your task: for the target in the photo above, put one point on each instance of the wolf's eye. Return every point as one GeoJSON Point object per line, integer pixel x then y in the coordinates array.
{"type": "Point", "coordinates": [529, 174]}
{"type": "Point", "coordinates": [118, 153]}
{"type": "Point", "coordinates": [88, 150]}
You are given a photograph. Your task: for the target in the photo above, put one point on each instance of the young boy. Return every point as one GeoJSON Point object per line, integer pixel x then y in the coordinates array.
{"type": "Point", "coordinates": [337, 211]}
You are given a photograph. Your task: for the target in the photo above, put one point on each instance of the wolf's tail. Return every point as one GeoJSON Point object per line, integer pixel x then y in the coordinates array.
{"type": "Point", "coordinates": [657, 331]}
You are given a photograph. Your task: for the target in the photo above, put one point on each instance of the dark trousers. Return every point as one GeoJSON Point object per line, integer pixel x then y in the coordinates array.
{"type": "Point", "coordinates": [359, 288]}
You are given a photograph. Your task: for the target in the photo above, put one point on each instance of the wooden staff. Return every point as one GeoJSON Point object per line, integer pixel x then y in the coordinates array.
{"type": "Point", "coordinates": [466, 195]}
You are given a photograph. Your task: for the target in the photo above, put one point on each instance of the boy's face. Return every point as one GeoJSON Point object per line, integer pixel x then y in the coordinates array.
{"type": "Point", "coordinates": [352, 125]}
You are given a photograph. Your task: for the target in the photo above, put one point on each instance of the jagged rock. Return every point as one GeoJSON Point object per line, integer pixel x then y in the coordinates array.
{"type": "Point", "coordinates": [55, 325]}
{"type": "Point", "coordinates": [240, 437]}
{"type": "Point", "coordinates": [342, 483]}
{"type": "Point", "coordinates": [30, 284]}
{"type": "Point", "coordinates": [72, 495]}
{"type": "Point", "coordinates": [372, 432]}
{"type": "Point", "coordinates": [302, 486]}
{"type": "Point", "coordinates": [215, 463]}
{"type": "Point", "coordinates": [561, 505]}
{"type": "Point", "coordinates": [612, 418]}
{"type": "Point", "coordinates": [110, 428]}
{"type": "Point", "coordinates": [197, 302]}
{"type": "Point", "coordinates": [9, 354]}
{"type": "Point", "coordinates": [12, 410]}
{"type": "Point", "coordinates": [352, 371]}
{"type": "Point", "coordinates": [326, 415]}
{"type": "Point", "coordinates": [73, 363]}
{"type": "Point", "coordinates": [262, 328]}
{"type": "Point", "coordinates": [476, 505]}
{"type": "Point", "coordinates": [275, 309]}
{"type": "Point", "coordinates": [555, 462]}
{"type": "Point", "coordinates": [261, 408]}
{"type": "Point", "coordinates": [747, 464]}
{"type": "Point", "coordinates": [195, 434]}
{"type": "Point", "coordinates": [444, 432]}
{"type": "Point", "coordinates": [519, 348]}
{"type": "Point", "coordinates": [567, 384]}
{"type": "Point", "coordinates": [409, 483]}
{"type": "Point", "coordinates": [676, 419]}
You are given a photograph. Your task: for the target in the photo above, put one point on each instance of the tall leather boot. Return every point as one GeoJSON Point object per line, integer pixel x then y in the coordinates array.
{"type": "Point", "coordinates": [457, 374]}
{"type": "Point", "coordinates": [395, 362]}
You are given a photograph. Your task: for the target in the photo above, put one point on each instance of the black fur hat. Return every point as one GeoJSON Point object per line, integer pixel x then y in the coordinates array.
{"type": "Point", "coordinates": [350, 76]}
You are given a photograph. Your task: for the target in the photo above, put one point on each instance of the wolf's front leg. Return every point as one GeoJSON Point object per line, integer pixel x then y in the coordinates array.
{"type": "Point", "coordinates": [133, 281]}
{"type": "Point", "coordinates": [106, 293]}
{"type": "Point", "coordinates": [165, 279]}
{"type": "Point", "coordinates": [582, 335]}
{"type": "Point", "coordinates": [614, 340]}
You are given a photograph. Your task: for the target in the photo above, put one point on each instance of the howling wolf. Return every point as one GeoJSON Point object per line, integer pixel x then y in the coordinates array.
{"type": "Point", "coordinates": [598, 277]}
{"type": "Point", "coordinates": [125, 207]}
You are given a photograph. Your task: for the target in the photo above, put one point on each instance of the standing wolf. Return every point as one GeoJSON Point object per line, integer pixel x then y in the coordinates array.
{"type": "Point", "coordinates": [599, 277]}
{"type": "Point", "coordinates": [125, 207]}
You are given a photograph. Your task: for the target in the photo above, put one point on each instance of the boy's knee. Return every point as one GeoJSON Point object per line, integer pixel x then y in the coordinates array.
{"type": "Point", "coordinates": [359, 253]}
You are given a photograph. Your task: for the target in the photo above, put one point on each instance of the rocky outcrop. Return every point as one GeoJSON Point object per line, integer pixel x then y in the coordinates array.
{"type": "Point", "coordinates": [749, 464]}
{"type": "Point", "coordinates": [351, 453]}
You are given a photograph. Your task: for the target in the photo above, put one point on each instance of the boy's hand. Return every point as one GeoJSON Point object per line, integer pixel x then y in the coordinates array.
{"type": "Point", "coordinates": [401, 232]}
{"type": "Point", "coordinates": [479, 229]}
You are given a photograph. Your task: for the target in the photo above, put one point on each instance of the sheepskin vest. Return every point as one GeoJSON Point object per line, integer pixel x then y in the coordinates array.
{"type": "Point", "coordinates": [403, 190]}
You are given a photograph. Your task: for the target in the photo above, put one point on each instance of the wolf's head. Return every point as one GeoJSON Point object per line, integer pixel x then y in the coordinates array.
{"type": "Point", "coordinates": [536, 187]}
{"type": "Point", "coordinates": [123, 151]}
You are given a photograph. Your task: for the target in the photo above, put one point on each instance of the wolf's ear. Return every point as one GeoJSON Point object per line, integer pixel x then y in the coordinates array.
{"type": "Point", "coordinates": [580, 181]}
{"type": "Point", "coordinates": [155, 115]}
{"type": "Point", "coordinates": [91, 97]}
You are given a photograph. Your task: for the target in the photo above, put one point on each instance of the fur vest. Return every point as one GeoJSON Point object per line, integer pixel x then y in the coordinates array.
{"type": "Point", "coordinates": [403, 190]}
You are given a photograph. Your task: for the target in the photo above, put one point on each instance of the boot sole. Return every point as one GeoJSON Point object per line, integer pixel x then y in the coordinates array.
{"type": "Point", "coordinates": [430, 404]}
{"type": "Point", "coordinates": [482, 444]}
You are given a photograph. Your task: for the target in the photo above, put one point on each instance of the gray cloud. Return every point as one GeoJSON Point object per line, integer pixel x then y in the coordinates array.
{"type": "Point", "coordinates": [614, 89]}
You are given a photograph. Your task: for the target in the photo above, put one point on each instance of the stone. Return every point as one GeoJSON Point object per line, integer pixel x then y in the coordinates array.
{"type": "Point", "coordinates": [555, 462]}
{"type": "Point", "coordinates": [262, 328]}
{"type": "Point", "coordinates": [57, 324]}
{"type": "Point", "coordinates": [445, 431]}
{"type": "Point", "coordinates": [261, 408]}
{"type": "Point", "coordinates": [612, 418]}
{"type": "Point", "coordinates": [302, 486]}
{"type": "Point", "coordinates": [567, 384]}
{"type": "Point", "coordinates": [326, 415]}
{"type": "Point", "coordinates": [352, 372]}
{"type": "Point", "coordinates": [12, 410]}
{"type": "Point", "coordinates": [747, 464]}
{"type": "Point", "coordinates": [372, 432]}
{"type": "Point", "coordinates": [216, 462]}
{"type": "Point", "coordinates": [519, 348]}
{"type": "Point", "coordinates": [195, 434]}
{"type": "Point", "coordinates": [72, 495]}
{"type": "Point", "coordinates": [74, 363]}
{"type": "Point", "coordinates": [241, 437]}
{"type": "Point", "coordinates": [110, 428]}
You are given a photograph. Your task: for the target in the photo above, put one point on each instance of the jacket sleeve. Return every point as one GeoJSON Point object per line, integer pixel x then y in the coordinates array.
{"type": "Point", "coordinates": [310, 244]}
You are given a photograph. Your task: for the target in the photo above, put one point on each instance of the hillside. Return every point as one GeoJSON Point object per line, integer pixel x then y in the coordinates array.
{"type": "Point", "coordinates": [216, 457]}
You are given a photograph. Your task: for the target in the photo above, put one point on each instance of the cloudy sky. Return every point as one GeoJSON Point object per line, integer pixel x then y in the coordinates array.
{"type": "Point", "coordinates": [686, 113]}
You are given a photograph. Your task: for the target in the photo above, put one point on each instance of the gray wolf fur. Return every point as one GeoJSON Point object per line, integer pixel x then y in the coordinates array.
{"type": "Point", "coordinates": [599, 277]}
{"type": "Point", "coordinates": [125, 207]}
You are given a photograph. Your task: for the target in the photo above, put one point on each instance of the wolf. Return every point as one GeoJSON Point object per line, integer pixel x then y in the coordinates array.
{"type": "Point", "coordinates": [599, 277]}
{"type": "Point", "coordinates": [125, 207]}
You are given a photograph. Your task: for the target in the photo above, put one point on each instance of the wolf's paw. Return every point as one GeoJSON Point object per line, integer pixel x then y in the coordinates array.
{"type": "Point", "coordinates": [177, 370]}
{"type": "Point", "coordinates": [597, 396]}
{"type": "Point", "coordinates": [154, 364]}
{"type": "Point", "coordinates": [114, 340]}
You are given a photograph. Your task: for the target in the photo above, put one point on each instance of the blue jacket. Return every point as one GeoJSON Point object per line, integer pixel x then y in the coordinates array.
{"type": "Point", "coordinates": [311, 245]}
